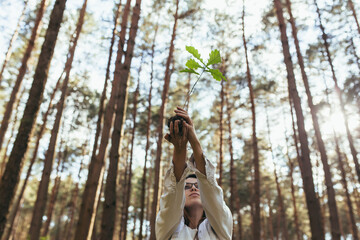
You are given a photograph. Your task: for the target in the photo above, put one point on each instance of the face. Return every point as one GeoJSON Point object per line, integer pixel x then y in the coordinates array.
{"type": "Point", "coordinates": [192, 195]}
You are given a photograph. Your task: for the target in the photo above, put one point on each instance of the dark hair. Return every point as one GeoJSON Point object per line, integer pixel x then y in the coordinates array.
{"type": "Point", "coordinates": [191, 176]}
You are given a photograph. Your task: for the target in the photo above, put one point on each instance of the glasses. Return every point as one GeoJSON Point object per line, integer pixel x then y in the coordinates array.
{"type": "Point", "coordinates": [189, 186]}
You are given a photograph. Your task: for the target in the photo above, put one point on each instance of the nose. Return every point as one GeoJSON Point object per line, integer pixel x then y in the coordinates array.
{"type": "Point", "coordinates": [193, 188]}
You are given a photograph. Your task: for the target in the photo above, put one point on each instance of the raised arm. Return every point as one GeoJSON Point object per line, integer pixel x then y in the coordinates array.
{"type": "Point", "coordinates": [217, 212]}
{"type": "Point", "coordinates": [173, 200]}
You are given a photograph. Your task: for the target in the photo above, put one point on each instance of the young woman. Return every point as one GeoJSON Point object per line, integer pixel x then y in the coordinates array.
{"type": "Point", "coordinates": [192, 206]}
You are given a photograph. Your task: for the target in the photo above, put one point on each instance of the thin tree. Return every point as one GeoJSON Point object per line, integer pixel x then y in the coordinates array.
{"type": "Point", "coordinates": [97, 164]}
{"type": "Point", "coordinates": [42, 193]}
{"type": "Point", "coordinates": [19, 199]}
{"type": "Point", "coordinates": [54, 191]}
{"type": "Point", "coordinates": [22, 71]}
{"type": "Point", "coordinates": [352, 7]}
{"type": "Point", "coordinates": [11, 175]}
{"type": "Point", "coordinates": [221, 129]}
{"type": "Point", "coordinates": [147, 146]}
{"type": "Point", "coordinates": [338, 91]}
{"type": "Point", "coordinates": [234, 197]}
{"type": "Point", "coordinates": [256, 198]}
{"type": "Point", "coordinates": [312, 201]}
{"type": "Point", "coordinates": [160, 127]}
{"type": "Point", "coordinates": [13, 39]}
{"type": "Point", "coordinates": [123, 229]}
{"type": "Point", "coordinates": [282, 215]}
{"type": "Point", "coordinates": [13, 129]}
{"type": "Point", "coordinates": [107, 77]}
{"type": "Point", "coordinates": [109, 211]}
{"type": "Point", "coordinates": [334, 217]}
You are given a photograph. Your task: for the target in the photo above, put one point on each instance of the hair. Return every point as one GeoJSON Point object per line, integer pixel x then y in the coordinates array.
{"type": "Point", "coordinates": [192, 175]}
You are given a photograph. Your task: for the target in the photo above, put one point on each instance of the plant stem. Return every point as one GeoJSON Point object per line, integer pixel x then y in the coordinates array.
{"type": "Point", "coordinates": [192, 89]}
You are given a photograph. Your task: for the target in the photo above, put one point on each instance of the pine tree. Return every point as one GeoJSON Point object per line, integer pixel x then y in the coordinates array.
{"type": "Point", "coordinates": [11, 175]}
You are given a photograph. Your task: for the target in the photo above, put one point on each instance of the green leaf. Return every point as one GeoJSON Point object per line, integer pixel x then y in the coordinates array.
{"type": "Point", "coordinates": [194, 52]}
{"type": "Point", "coordinates": [214, 57]}
{"type": "Point", "coordinates": [192, 64]}
{"type": "Point", "coordinates": [189, 71]}
{"type": "Point", "coordinates": [217, 75]}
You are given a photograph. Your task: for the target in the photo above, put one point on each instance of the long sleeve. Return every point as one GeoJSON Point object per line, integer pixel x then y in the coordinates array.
{"type": "Point", "coordinates": [217, 212]}
{"type": "Point", "coordinates": [171, 205]}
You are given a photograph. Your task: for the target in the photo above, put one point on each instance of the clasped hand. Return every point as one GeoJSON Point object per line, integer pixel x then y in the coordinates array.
{"type": "Point", "coordinates": [177, 138]}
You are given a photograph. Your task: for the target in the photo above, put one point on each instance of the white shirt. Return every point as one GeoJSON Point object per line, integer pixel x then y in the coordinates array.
{"type": "Point", "coordinates": [170, 221]}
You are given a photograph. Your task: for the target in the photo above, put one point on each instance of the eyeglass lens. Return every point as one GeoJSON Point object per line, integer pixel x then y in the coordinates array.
{"type": "Point", "coordinates": [189, 186]}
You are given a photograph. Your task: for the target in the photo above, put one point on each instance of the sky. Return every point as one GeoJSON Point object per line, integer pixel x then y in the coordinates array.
{"type": "Point", "coordinates": [254, 9]}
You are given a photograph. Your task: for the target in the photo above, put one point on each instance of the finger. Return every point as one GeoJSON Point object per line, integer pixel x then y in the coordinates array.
{"type": "Point", "coordinates": [167, 137]}
{"type": "Point", "coordinates": [186, 117]}
{"type": "Point", "coordinates": [184, 130]}
{"type": "Point", "coordinates": [172, 129]}
{"type": "Point", "coordinates": [181, 109]}
{"type": "Point", "coordinates": [176, 127]}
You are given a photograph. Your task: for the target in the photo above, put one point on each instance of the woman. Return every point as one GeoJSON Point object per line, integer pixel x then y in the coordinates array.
{"type": "Point", "coordinates": [192, 206]}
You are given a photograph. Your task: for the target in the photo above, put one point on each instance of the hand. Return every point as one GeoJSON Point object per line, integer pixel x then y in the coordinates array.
{"type": "Point", "coordinates": [188, 125]}
{"type": "Point", "coordinates": [179, 140]}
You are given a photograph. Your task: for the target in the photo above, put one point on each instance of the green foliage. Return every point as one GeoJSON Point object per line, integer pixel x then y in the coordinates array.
{"type": "Point", "coordinates": [192, 64]}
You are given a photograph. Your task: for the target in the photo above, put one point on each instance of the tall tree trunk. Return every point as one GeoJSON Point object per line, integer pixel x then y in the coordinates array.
{"type": "Point", "coordinates": [42, 194]}
{"type": "Point", "coordinates": [270, 221]}
{"type": "Point", "coordinates": [283, 222]}
{"type": "Point", "coordinates": [160, 127]}
{"type": "Point", "coordinates": [96, 168]}
{"type": "Point", "coordinates": [256, 216]}
{"type": "Point", "coordinates": [128, 184]}
{"type": "Point", "coordinates": [344, 182]}
{"type": "Point", "coordinates": [221, 134]}
{"type": "Point", "coordinates": [54, 193]}
{"type": "Point", "coordinates": [334, 217]}
{"type": "Point", "coordinates": [123, 74]}
{"type": "Point", "coordinates": [234, 197]}
{"type": "Point", "coordinates": [59, 233]}
{"type": "Point", "coordinates": [13, 39]}
{"type": "Point", "coordinates": [107, 77]}
{"type": "Point", "coordinates": [292, 186]}
{"type": "Point", "coordinates": [338, 91]}
{"type": "Point", "coordinates": [16, 204]}
{"type": "Point", "coordinates": [11, 175]}
{"type": "Point", "coordinates": [352, 7]}
{"type": "Point", "coordinates": [312, 201]}
{"type": "Point", "coordinates": [144, 176]}
{"type": "Point", "coordinates": [4, 159]}
{"type": "Point", "coordinates": [22, 70]}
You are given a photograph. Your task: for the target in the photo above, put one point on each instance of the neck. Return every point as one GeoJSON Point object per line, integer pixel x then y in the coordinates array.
{"type": "Point", "coordinates": [194, 215]}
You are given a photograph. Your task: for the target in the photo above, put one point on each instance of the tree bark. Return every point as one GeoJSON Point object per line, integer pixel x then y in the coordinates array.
{"type": "Point", "coordinates": [96, 168]}
{"type": "Point", "coordinates": [160, 127]}
{"type": "Point", "coordinates": [312, 201]}
{"type": "Point", "coordinates": [334, 217]}
{"type": "Point", "coordinates": [283, 222]}
{"type": "Point", "coordinates": [221, 134]}
{"type": "Point", "coordinates": [107, 77]}
{"type": "Point", "coordinates": [22, 70]}
{"type": "Point", "coordinates": [4, 159]}
{"type": "Point", "coordinates": [256, 216]}
{"type": "Point", "coordinates": [54, 193]}
{"type": "Point", "coordinates": [13, 39]}
{"type": "Point", "coordinates": [11, 175]}
{"type": "Point", "coordinates": [123, 74]}
{"type": "Point", "coordinates": [42, 194]}
{"type": "Point", "coordinates": [144, 176]}
{"type": "Point", "coordinates": [351, 5]}
{"type": "Point", "coordinates": [234, 197]}
{"type": "Point", "coordinates": [339, 92]}
{"type": "Point", "coordinates": [129, 183]}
